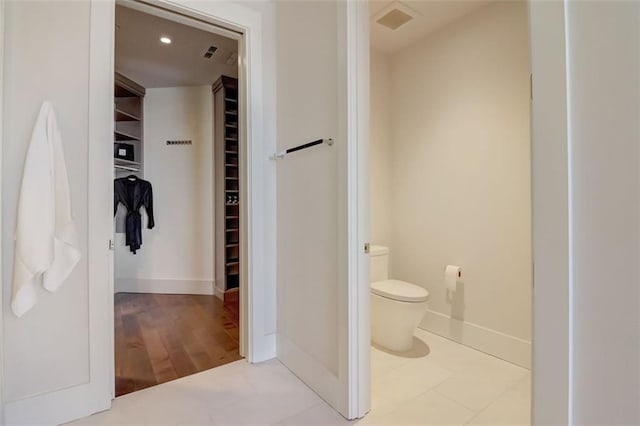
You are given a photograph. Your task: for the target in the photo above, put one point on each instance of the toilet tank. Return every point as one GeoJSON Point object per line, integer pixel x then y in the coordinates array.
{"type": "Point", "coordinates": [379, 263]}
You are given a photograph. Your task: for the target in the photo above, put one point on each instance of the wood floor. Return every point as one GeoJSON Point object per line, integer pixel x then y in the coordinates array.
{"type": "Point", "coordinates": [161, 337]}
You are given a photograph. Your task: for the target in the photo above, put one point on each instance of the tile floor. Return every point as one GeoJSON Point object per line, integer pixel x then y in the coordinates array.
{"type": "Point", "coordinates": [438, 383]}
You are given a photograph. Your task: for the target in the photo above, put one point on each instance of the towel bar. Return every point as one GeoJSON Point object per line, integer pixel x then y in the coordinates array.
{"type": "Point", "coordinates": [280, 155]}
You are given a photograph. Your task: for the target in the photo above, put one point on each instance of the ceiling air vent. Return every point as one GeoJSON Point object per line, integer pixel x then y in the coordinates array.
{"type": "Point", "coordinates": [209, 53]}
{"type": "Point", "coordinates": [395, 15]}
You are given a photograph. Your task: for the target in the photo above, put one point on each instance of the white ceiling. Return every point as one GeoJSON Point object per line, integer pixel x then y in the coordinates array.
{"type": "Point", "coordinates": [141, 56]}
{"type": "Point", "coordinates": [431, 16]}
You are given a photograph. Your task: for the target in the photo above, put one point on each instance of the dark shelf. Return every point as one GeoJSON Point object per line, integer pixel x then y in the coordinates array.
{"type": "Point", "coordinates": [227, 89]}
{"type": "Point", "coordinates": [122, 115]}
{"type": "Point", "coordinates": [122, 136]}
{"type": "Point", "coordinates": [121, 92]}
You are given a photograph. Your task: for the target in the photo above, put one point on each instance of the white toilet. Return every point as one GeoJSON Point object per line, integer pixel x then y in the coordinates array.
{"type": "Point", "coordinates": [397, 307]}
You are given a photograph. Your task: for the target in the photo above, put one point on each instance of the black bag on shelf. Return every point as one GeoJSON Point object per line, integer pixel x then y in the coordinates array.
{"type": "Point", "coordinates": [123, 151]}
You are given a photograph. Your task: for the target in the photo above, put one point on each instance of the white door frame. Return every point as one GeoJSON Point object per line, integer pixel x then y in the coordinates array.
{"type": "Point", "coordinates": [551, 377]}
{"type": "Point", "coordinates": [550, 150]}
{"type": "Point", "coordinates": [255, 279]}
{"type": "Point", "coordinates": [245, 26]}
{"type": "Point", "coordinates": [2, 41]}
{"type": "Point", "coordinates": [359, 299]}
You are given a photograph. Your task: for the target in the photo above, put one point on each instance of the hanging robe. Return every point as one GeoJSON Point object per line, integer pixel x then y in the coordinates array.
{"type": "Point", "coordinates": [134, 193]}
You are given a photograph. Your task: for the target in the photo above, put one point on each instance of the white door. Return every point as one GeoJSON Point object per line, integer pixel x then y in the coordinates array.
{"type": "Point", "coordinates": [323, 296]}
{"type": "Point", "coordinates": [56, 357]}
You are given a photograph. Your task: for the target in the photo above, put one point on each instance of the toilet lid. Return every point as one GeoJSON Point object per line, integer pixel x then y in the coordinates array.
{"type": "Point", "coordinates": [399, 290]}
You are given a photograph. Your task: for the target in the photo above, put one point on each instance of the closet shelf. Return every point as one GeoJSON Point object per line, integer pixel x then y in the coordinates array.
{"type": "Point", "coordinates": [128, 108]}
{"type": "Point", "coordinates": [123, 162]}
{"type": "Point", "coordinates": [127, 168]}
{"type": "Point", "coordinates": [227, 185]}
{"type": "Point", "coordinates": [122, 92]}
{"type": "Point", "coordinates": [122, 136]}
{"type": "Point", "coordinates": [122, 115]}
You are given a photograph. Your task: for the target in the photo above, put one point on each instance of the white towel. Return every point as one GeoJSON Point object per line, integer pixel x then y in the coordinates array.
{"type": "Point", "coordinates": [46, 243]}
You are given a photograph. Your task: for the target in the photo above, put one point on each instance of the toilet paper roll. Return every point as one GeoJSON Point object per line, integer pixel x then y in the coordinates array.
{"type": "Point", "coordinates": [452, 275]}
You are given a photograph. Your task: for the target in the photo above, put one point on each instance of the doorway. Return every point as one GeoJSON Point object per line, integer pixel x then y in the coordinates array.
{"type": "Point", "coordinates": [178, 198]}
{"type": "Point", "coordinates": [450, 190]}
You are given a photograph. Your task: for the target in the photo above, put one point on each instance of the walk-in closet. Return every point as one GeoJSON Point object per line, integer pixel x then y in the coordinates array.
{"type": "Point", "coordinates": [177, 199]}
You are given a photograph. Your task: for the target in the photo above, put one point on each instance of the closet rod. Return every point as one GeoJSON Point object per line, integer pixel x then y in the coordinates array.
{"type": "Point", "coordinates": [280, 155]}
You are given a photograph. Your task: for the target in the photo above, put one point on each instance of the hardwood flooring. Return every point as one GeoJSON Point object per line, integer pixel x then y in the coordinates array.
{"type": "Point", "coordinates": [161, 337]}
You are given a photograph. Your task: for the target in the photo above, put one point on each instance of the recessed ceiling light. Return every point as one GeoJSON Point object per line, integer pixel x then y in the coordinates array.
{"type": "Point", "coordinates": [165, 40]}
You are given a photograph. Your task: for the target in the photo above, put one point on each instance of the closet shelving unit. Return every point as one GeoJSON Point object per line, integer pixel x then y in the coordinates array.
{"type": "Point", "coordinates": [227, 198]}
{"type": "Point", "coordinates": [128, 126]}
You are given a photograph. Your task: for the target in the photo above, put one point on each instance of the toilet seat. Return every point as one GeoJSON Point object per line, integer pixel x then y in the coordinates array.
{"type": "Point", "coordinates": [400, 291]}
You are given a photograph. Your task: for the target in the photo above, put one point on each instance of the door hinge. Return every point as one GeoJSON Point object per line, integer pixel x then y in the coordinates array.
{"type": "Point", "coordinates": [531, 86]}
{"type": "Point", "coordinates": [112, 245]}
{"type": "Point", "coordinates": [367, 247]}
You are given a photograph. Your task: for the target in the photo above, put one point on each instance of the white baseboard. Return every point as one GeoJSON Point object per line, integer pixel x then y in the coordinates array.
{"type": "Point", "coordinates": [265, 349]}
{"type": "Point", "coordinates": [504, 346]}
{"type": "Point", "coordinates": [127, 285]}
{"type": "Point", "coordinates": [219, 293]}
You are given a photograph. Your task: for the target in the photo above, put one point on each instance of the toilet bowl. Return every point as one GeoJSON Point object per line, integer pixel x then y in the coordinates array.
{"type": "Point", "coordinates": [397, 307]}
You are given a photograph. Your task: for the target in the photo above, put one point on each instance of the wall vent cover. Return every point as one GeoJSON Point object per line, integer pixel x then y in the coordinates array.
{"type": "Point", "coordinates": [210, 51]}
{"type": "Point", "coordinates": [395, 15]}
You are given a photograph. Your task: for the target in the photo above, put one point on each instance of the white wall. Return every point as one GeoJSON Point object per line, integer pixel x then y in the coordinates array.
{"type": "Point", "coordinates": [460, 155]}
{"type": "Point", "coordinates": [380, 194]}
{"type": "Point", "coordinates": [180, 247]}
{"type": "Point", "coordinates": [48, 348]}
{"type": "Point", "coordinates": [550, 215]}
{"type": "Point", "coordinates": [49, 351]}
{"type": "Point", "coordinates": [604, 110]}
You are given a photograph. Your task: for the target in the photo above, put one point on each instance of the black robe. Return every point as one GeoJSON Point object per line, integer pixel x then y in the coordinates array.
{"type": "Point", "coordinates": [134, 193]}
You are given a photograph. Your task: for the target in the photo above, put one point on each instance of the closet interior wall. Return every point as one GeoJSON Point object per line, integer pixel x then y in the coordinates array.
{"type": "Point", "coordinates": [176, 256]}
